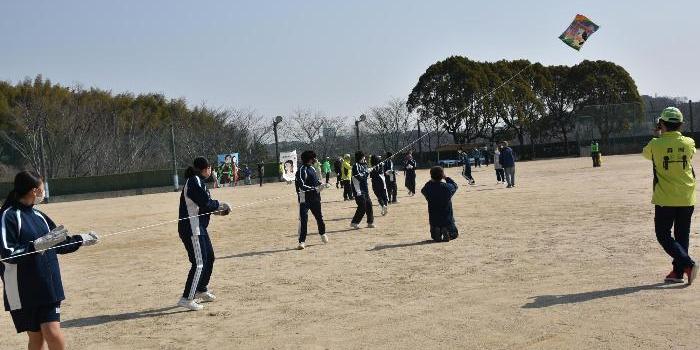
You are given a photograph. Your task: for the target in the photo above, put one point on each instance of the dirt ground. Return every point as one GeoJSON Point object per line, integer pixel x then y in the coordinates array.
{"type": "Point", "coordinates": [566, 260]}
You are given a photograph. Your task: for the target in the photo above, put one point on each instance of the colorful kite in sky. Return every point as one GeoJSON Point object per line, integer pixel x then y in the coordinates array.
{"type": "Point", "coordinates": [578, 32]}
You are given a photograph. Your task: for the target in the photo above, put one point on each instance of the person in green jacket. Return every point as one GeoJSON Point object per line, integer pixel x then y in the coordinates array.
{"type": "Point", "coordinates": [346, 175]}
{"type": "Point", "coordinates": [595, 153]}
{"type": "Point", "coordinates": [674, 192]}
{"type": "Point", "coordinates": [326, 169]}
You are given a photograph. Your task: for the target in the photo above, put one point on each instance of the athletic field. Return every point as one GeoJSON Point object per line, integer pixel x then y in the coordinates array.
{"type": "Point", "coordinates": [566, 260]}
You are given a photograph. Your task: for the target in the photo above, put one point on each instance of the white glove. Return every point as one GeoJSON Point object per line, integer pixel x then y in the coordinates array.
{"type": "Point", "coordinates": [90, 238]}
{"type": "Point", "coordinates": [223, 210]}
{"type": "Point", "coordinates": [50, 239]}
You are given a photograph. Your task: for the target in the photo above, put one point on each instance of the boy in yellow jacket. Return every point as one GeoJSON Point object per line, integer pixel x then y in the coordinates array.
{"type": "Point", "coordinates": [345, 176]}
{"type": "Point", "coordinates": [674, 192]}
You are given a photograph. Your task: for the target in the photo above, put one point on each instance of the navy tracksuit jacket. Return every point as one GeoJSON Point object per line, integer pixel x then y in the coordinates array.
{"type": "Point", "coordinates": [379, 185]}
{"type": "Point", "coordinates": [306, 182]}
{"type": "Point", "coordinates": [196, 207]}
{"type": "Point", "coordinates": [360, 189]}
{"type": "Point", "coordinates": [439, 197]}
{"type": "Point", "coordinates": [32, 280]}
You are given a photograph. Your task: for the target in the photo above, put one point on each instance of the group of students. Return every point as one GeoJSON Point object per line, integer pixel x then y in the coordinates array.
{"type": "Point", "coordinates": [503, 164]}
{"type": "Point", "coordinates": [33, 289]}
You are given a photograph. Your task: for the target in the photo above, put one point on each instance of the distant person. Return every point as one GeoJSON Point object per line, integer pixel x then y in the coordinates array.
{"type": "Point", "coordinates": [360, 189]}
{"type": "Point", "coordinates": [236, 173]}
{"type": "Point", "coordinates": [247, 173]}
{"type": "Point", "coordinates": [196, 206]}
{"type": "Point", "coordinates": [410, 170]}
{"type": "Point", "coordinates": [309, 187]}
{"type": "Point", "coordinates": [261, 173]}
{"type": "Point", "coordinates": [337, 167]}
{"type": "Point", "coordinates": [674, 192]}
{"type": "Point", "coordinates": [507, 160]}
{"type": "Point", "coordinates": [487, 156]}
{"type": "Point", "coordinates": [467, 168]}
{"type": "Point", "coordinates": [477, 157]}
{"type": "Point", "coordinates": [32, 286]}
{"type": "Point", "coordinates": [595, 153]}
{"type": "Point", "coordinates": [438, 192]}
{"type": "Point", "coordinates": [227, 171]}
{"type": "Point", "coordinates": [500, 174]}
{"type": "Point", "coordinates": [390, 177]}
{"type": "Point", "coordinates": [326, 168]}
{"type": "Point", "coordinates": [379, 183]}
{"type": "Point", "coordinates": [346, 177]}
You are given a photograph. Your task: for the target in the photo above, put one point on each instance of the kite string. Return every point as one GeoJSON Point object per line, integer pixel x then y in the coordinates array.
{"type": "Point", "coordinates": [141, 228]}
{"type": "Point", "coordinates": [274, 198]}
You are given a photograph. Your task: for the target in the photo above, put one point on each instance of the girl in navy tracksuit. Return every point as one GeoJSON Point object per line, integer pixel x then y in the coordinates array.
{"type": "Point", "coordinates": [410, 169]}
{"type": "Point", "coordinates": [360, 190]}
{"type": "Point", "coordinates": [196, 206]}
{"type": "Point", "coordinates": [379, 183]}
{"type": "Point", "coordinates": [309, 188]}
{"type": "Point", "coordinates": [33, 290]}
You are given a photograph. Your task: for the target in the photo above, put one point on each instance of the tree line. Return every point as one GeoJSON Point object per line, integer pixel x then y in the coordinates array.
{"type": "Point", "coordinates": [84, 132]}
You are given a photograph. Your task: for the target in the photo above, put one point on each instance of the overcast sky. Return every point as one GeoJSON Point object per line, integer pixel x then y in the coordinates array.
{"type": "Point", "coordinates": [339, 57]}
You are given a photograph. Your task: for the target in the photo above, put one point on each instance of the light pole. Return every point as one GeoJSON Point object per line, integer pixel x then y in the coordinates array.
{"type": "Point", "coordinates": [277, 120]}
{"type": "Point", "coordinates": [357, 129]}
{"type": "Point", "coordinates": [176, 181]}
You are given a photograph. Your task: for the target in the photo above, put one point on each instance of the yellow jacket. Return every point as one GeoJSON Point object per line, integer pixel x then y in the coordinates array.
{"type": "Point", "coordinates": [674, 178]}
{"type": "Point", "coordinates": [346, 171]}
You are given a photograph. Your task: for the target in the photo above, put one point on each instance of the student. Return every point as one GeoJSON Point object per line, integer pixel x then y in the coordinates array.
{"type": "Point", "coordinates": [390, 177]}
{"type": "Point", "coordinates": [467, 168]}
{"type": "Point", "coordinates": [346, 177]}
{"type": "Point", "coordinates": [360, 190]}
{"type": "Point", "coordinates": [674, 192]}
{"type": "Point", "coordinates": [379, 183]}
{"type": "Point", "coordinates": [261, 173]}
{"type": "Point", "coordinates": [33, 290]}
{"type": "Point", "coordinates": [246, 174]}
{"type": "Point", "coordinates": [507, 160]}
{"type": "Point", "coordinates": [500, 174]}
{"type": "Point", "coordinates": [337, 167]}
{"type": "Point", "coordinates": [196, 206]}
{"type": "Point", "coordinates": [309, 189]}
{"type": "Point", "coordinates": [438, 192]}
{"type": "Point", "coordinates": [410, 169]}
{"type": "Point", "coordinates": [326, 168]}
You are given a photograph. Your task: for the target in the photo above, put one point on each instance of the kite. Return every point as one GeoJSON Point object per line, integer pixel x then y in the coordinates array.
{"type": "Point", "coordinates": [578, 32]}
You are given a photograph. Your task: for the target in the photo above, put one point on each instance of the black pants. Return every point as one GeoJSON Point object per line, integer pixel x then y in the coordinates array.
{"type": "Point", "coordinates": [676, 246]}
{"type": "Point", "coordinates": [347, 190]}
{"type": "Point", "coordinates": [500, 175]}
{"type": "Point", "coordinates": [467, 173]}
{"type": "Point", "coordinates": [411, 181]}
{"type": "Point", "coordinates": [382, 197]}
{"type": "Point", "coordinates": [364, 206]}
{"type": "Point", "coordinates": [391, 190]}
{"type": "Point", "coordinates": [337, 180]}
{"type": "Point", "coordinates": [443, 234]}
{"type": "Point", "coordinates": [201, 255]}
{"type": "Point", "coordinates": [328, 177]}
{"type": "Point", "coordinates": [596, 159]}
{"type": "Point", "coordinates": [315, 208]}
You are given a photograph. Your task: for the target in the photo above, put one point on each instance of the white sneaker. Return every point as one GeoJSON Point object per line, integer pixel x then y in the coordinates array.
{"type": "Point", "coordinates": [301, 246]}
{"type": "Point", "coordinates": [324, 239]}
{"type": "Point", "coordinates": [205, 297]}
{"type": "Point", "coordinates": [189, 304]}
{"type": "Point", "coordinates": [384, 210]}
{"type": "Point", "coordinates": [371, 226]}
{"type": "Point", "coordinates": [354, 225]}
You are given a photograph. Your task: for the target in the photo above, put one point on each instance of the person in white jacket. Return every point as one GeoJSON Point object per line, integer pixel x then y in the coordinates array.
{"type": "Point", "coordinates": [500, 174]}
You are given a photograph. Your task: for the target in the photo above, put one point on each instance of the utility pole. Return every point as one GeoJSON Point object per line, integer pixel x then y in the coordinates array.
{"type": "Point", "coordinates": [357, 129]}
{"type": "Point", "coordinates": [277, 120]}
{"type": "Point", "coordinates": [44, 172]}
{"type": "Point", "coordinates": [176, 180]}
{"type": "Point", "coordinates": [420, 142]}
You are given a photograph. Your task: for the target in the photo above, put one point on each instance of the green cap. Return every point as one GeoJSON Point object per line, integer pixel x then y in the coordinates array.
{"type": "Point", "coordinates": [672, 115]}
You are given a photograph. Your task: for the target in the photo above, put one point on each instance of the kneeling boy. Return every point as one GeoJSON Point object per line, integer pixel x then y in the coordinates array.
{"type": "Point", "coordinates": [438, 192]}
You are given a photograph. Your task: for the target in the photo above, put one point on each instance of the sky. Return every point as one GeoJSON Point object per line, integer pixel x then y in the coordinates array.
{"type": "Point", "coordinates": [338, 57]}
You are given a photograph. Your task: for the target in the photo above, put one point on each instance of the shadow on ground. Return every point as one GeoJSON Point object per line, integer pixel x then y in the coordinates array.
{"type": "Point", "coordinates": [103, 319]}
{"type": "Point", "coordinates": [543, 301]}
{"type": "Point", "coordinates": [400, 245]}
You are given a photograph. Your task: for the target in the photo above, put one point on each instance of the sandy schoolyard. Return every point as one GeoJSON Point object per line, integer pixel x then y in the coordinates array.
{"type": "Point", "coordinates": [566, 260]}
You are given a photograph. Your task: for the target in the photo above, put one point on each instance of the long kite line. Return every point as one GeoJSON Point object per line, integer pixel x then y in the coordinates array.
{"type": "Point", "coordinates": [268, 199]}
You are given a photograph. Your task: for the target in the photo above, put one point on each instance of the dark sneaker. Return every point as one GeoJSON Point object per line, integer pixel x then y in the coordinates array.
{"type": "Point", "coordinates": [692, 272]}
{"type": "Point", "coordinates": [673, 277]}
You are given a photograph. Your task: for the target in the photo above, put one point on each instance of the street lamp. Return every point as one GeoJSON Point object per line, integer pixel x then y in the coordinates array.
{"type": "Point", "coordinates": [277, 120]}
{"type": "Point", "coordinates": [357, 129]}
